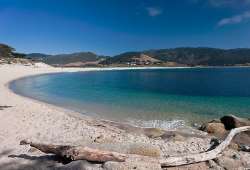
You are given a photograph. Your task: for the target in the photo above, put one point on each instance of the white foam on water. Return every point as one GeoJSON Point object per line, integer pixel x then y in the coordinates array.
{"type": "Point", "coordinates": [163, 124]}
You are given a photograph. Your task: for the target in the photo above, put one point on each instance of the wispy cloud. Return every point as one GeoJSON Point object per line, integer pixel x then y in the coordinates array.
{"type": "Point", "coordinates": [223, 3]}
{"type": "Point", "coordinates": [235, 19]}
{"type": "Point", "coordinates": [154, 11]}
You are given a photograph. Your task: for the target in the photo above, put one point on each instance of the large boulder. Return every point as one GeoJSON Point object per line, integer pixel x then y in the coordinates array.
{"type": "Point", "coordinates": [214, 128]}
{"type": "Point", "coordinates": [231, 121]}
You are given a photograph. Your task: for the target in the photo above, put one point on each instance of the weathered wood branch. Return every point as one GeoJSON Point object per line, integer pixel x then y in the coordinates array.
{"type": "Point", "coordinates": [77, 152]}
{"type": "Point", "coordinates": [205, 156]}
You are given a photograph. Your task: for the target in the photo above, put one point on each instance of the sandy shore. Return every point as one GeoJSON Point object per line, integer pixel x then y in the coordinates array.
{"type": "Point", "coordinates": [40, 122]}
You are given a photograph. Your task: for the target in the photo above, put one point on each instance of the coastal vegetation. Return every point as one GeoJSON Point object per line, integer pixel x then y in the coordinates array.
{"type": "Point", "coordinates": [9, 55]}
{"type": "Point", "coordinates": [7, 51]}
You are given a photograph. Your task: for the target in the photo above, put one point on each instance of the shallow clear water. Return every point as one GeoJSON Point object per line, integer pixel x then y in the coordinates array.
{"type": "Point", "coordinates": [147, 97]}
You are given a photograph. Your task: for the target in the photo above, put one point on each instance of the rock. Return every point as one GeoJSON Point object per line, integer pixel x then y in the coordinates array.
{"type": "Point", "coordinates": [232, 121]}
{"type": "Point", "coordinates": [145, 150]}
{"type": "Point", "coordinates": [214, 142]}
{"type": "Point", "coordinates": [131, 166]}
{"type": "Point", "coordinates": [196, 125]}
{"type": "Point", "coordinates": [197, 166]}
{"type": "Point", "coordinates": [230, 163]}
{"type": "Point", "coordinates": [153, 132]}
{"type": "Point", "coordinates": [242, 139]}
{"type": "Point", "coordinates": [213, 165]}
{"type": "Point", "coordinates": [178, 137]}
{"type": "Point", "coordinates": [214, 128]}
{"type": "Point", "coordinates": [245, 148]}
{"type": "Point", "coordinates": [234, 146]}
{"type": "Point", "coordinates": [134, 163]}
{"type": "Point", "coordinates": [236, 156]}
{"type": "Point", "coordinates": [80, 165]}
{"type": "Point", "coordinates": [99, 139]}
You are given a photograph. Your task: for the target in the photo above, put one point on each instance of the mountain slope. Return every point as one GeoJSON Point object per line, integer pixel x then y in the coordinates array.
{"type": "Point", "coordinates": [184, 56]}
{"type": "Point", "coordinates": [69, 60]}
{"type": "Point", "coordinates": [132, 58]}
{"type": "Point", "coordinates": [201, 56]}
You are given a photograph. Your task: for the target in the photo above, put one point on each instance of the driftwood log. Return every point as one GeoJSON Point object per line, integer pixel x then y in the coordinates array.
{"type": "Point", "coordinates": [77, 152]}
{"type": "Point", "coordinates": [89, 154]}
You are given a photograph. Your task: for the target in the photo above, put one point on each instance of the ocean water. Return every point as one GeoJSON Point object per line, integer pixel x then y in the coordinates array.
{"type": "Point", "coordinates": [149, 97]}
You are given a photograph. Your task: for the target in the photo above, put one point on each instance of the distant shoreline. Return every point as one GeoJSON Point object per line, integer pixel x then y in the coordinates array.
{"type": "Point", "coordinates": [149, 67]}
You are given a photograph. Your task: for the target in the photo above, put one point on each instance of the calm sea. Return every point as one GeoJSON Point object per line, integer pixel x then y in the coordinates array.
{"type": "Point", "coordinates": [156, 97]}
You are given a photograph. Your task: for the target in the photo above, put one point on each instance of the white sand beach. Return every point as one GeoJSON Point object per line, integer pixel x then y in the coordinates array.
{"type": "Point", "coordinates": [40, 122]}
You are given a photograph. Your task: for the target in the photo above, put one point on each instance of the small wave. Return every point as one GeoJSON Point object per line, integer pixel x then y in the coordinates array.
{"type": "Point", "coordinates": [163, 124]}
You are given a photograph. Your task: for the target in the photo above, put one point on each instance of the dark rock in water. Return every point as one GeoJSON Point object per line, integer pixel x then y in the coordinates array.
{"type": "Point", "coordinates": [231, 121]}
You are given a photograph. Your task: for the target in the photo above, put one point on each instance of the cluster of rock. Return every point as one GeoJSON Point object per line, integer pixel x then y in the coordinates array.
{"type": "Point", "coordinates": [237, 156]}
{"type": "Point", "coordinates": [158, 144]}
{"type": "Point", "coordinates": [220, 129]}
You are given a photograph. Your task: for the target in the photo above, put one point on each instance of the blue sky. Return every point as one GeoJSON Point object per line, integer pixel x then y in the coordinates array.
{"type": "Point", "coordinates": [110, 27]}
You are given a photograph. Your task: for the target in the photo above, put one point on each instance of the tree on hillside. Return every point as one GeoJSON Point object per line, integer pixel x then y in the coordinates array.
{"type": "Point", "coordinates": [8, 52]}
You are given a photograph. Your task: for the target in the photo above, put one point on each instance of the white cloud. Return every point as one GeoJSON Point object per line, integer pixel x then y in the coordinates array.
{"type": "Point", "coordinates": [235, 19]}
{"type": "Point", "coordinates": [153, 11]}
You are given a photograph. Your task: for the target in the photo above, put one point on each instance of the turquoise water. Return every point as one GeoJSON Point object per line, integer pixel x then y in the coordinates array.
{"type": "Point", "coordinates": [147, 97]}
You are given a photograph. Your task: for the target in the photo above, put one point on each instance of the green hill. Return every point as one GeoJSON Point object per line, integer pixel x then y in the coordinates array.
{"type": "Point", "coordinates": [69, 60]}
{"type": "Point", "coordinates": [201, 56]}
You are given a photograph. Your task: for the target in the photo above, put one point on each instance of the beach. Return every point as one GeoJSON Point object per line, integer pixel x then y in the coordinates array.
{"type": "Point", "coordinates": [24, 118]}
